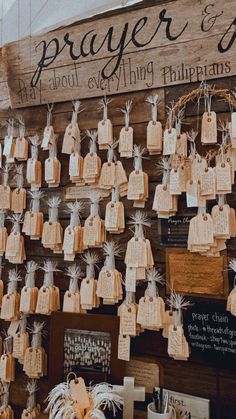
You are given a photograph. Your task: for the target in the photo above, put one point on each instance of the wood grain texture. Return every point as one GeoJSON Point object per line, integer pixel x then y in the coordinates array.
{"type": "Point", "coordinates": [73, 59]}
{"type": "Point", "coordinates": [191, 273]}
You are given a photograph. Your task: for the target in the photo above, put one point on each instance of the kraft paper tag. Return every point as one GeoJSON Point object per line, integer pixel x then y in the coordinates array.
{"type": "Point", "coordinates": [124, 347]}
{"type": "Point", "coordinates": [209, 128]}
{"type": "Point", "coordinates": [126, 142]}
{"type": "Point", "coordinates": [79, 393]}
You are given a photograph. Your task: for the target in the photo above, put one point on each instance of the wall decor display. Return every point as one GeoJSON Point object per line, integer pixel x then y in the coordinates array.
{"type": "Point", "coordinates": [86, 351]}
{"type": "Point", "coordinates": [141, 35]}
{"type": "Point", "coordinates": [194, 274]}
{"type": "Point", "coordinates": [118, 213]}
{"type": "Point", "coordinates": [88, 339]}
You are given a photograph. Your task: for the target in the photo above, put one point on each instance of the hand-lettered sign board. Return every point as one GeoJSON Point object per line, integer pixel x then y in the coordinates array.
{"type": "Point", "coordinates": [197, 275]}
{"type": "Point", "coordinates": [166, 44]}
{"type": "Point", "coordinates": [174, 230]}
{"type": "Point", "coordinates": [211, 332]}
{"type": "Point", "coordinates": [188, 406]}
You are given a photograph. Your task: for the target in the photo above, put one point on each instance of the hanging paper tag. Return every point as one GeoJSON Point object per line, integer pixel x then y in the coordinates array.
{"type": "Point", "coordinates": [79, 393]}
{"type": "Point", "coordinates": [124, 347]}
{"type": "Point", "coordinates": [209, 128]}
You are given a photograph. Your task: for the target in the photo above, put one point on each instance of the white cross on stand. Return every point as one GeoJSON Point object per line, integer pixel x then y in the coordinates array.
{"type": "Point", "coordinates": [130, 394]}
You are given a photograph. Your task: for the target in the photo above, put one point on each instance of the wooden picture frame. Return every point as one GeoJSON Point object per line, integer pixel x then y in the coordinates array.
{"type": "Point", "coordinates": [196, 275]}
{"type": "Point", "coordinates": [60, 321]}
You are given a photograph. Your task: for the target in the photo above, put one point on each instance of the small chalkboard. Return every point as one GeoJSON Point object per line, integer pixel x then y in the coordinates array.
{"type": "Point", "coordinates": [174, 230]}
{"type": "Point", "coordinates": [211, 332]}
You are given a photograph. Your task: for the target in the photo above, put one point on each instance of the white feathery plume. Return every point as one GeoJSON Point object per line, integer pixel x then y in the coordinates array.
{"type": "Point", "coordinates": [153, 100]}
{"type": "Point", "coordinates": [104, 396]}
{"type": "Point", "coordinates": [56, 399]}
{"type": "Point", "coordinates": [90, 258]}
{"type": "Point", "coordinates": [138, 155]}
{"type": "Point", "coordinates": [35, 141]}
{"type": "Point", "coordinates": [76, 110]}
{"type": "Point", "coordinates": [14, 275]}
{"type": "Point", "coordinates": [92, 134]}
{"type": "Point", "coordinates": [37, 333]}
{"type": "Point", "coordinates": [13, 279]}
{"type": "Point", "coordinates": [54, 202]}
{"type": "Point", "coordinates": [49, 113]}
{"type": "Point", "coordinates": [138, 151]}
{"type": "Point", "coordinates": [163, 165]}
{"type": "Point", "coordinates": [94, 197]}
{"type": "Point", "coordinates": [15, 218]}
{"type": "Point", "coordinates": [103, 104]}
{"type": "Point", "coordinates": [37, 327]}
{"type": "Point", "coordinates": [232, 264]}
{"type": "Point", "coordinates": [32, 388]}
{"type": "Point", "coordinates": [35, 197]}
{"type": "Point", "coordinates": [153, 275]}
{"type": "Point", "coordinates": [74, 271]}
{"type": "Point", "coordinates": [170, 114]}
{"type": "Point", "coordinates": [191, 137]}
{"type": "Point", "coordinates": [140, 218]}
{"type": "Point", "coordinates": [21, 126]}
{"type": "Point", "coordinates": [23, 323]}
{"type": "Point", "coordinates": [50, 266]}
{"type": "Point", "coordinates": [37, 194]}
{"type": "Point", "coordinates": [126, 111]}
{"type": "Point", "coordinates": [31, 266]}
{"type": "Point", "coordinates": [76, 106]}
{"type": "Point", "coordinates": [153, 278]}
{"type": "Point", "coordinates": [111, 248]}
{"type": "Point", "coordinates": [76, 206]}
{"type": "Point", "coordinates": [178, 301]}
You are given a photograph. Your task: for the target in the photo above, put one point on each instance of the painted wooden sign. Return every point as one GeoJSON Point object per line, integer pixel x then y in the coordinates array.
{"type": "Point", "coordinates": [171, 43]}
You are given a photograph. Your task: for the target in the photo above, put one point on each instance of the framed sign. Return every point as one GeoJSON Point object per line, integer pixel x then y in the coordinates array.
{"type": "Point", "coordinates": [197, 275]}
{"type": "Point", "coordinates": [86, 344]}
{"type": "Point", "coordinates": [146, 372]}
{"type": "Point", "coordinates": [174, 230]}
{"type": "Point", "coordinates": [188, 406]}
{"type": "Point", "coordinates": [211, 333]}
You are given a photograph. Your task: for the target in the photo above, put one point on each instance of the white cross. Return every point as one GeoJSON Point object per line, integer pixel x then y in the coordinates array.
{"type": "Point", "coordinates": [130, 394]}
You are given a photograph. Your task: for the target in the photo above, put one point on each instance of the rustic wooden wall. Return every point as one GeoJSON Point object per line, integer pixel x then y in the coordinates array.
{"type": "Point", "coordinates": [195, 376]}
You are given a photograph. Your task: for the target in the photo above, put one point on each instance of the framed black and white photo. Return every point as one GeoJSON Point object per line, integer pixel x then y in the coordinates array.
{"type": "Point", "coordinates": [86, 350]}
{"type": "Point", "coordinates": [86, 344]}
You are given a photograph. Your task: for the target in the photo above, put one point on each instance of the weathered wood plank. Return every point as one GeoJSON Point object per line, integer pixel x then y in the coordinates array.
{"type": "Point", "coordinates": [120, 55]}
